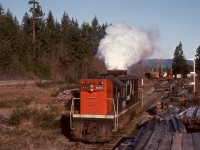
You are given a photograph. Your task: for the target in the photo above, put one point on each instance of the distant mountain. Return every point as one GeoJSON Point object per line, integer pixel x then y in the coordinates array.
{"type": "Point", "coordinates": [160, 62]}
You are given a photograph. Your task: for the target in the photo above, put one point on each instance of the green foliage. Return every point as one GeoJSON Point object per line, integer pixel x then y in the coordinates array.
{"type": "Point", "coordinates": [197, 61]}
{"type": "Point", "coordinates": [44, 120]}
{"type": "Point", "coordinates": [59, 51]}
{"type": "Point", "coordinates": [179, 65]}
{"type": "Point", "coordinates": [39, 118]}
{"type": "Point", "coordinates": [19, 115]}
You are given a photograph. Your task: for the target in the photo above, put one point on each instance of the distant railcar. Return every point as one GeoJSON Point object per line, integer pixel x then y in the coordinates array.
{"type": "Point", "coordinates": [106, 104]}
{"type": "Point", "coordinates": [170, 76]}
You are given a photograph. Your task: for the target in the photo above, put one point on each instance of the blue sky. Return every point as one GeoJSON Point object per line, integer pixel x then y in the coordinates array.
{"type": "Point", "coordinates": [176, 20]}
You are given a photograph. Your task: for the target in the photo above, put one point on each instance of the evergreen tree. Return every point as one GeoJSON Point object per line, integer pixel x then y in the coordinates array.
{"type": "Point", "coordinates": [1, 11]}
{"type": "Point", "coordinates": [197, 60]}
{"type": "Point", "coordinates": [26, 24]}
{"type": "Point", "coordinates": [38, 24]}
{"type": "Point", "coordinates": [40, 46]}
{"type": "Point", "coordinates": [27, 56]}
{"type": "Point", "coordinates": [50, 31]}
{"type": "Point", "coordinates": [102, 31]}
{"type": "Point", "coordinates": [9, 44]}
{"type": "Point", "coordinates": [65, 23]}
{"type": "Point", "coordinates": [95, 35]}
{"type": "Point", "coordinates": [53, 35]}
{"type": "Point", "coordinates": [65, 27]}
{"type": "Point", "coordinates": [179, 64]}
{"type": "Point", "coordinates": [86, 50]}
{"type": "Point", "coordinates": [37, 16]}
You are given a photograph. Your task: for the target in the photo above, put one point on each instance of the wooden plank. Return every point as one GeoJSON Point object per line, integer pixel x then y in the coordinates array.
{"type": "Point", "coordinates": [181, 126]}
{"type": "Point", "coordinates": [166, 141]}
{"type": "Point", "coordinates": [143, 140]}
{"type": "Point", "coordinates": [196, 140]}
{"type": "Point", "coordinates": [160, 126]}
{"type": "Point", "coordinates": [187, 143]}
{"type": "Point", "coordinates": [198, 113]}
{"type": "Point", "coordinates": [176, 141]}
{"type": "Point", "coordinates": [154, 141]}
{"type": "Point", "coordinates": [122, 147]}
{"type": "Point", "coordinates": [191, 112]}
{"type": "Point", "coordinates": [175, 123]}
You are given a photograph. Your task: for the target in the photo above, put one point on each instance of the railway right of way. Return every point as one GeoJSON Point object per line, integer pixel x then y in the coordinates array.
{"type": "Point", "coordinates": [152, 94]}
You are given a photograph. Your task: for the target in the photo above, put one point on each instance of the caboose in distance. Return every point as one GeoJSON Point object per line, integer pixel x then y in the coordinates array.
{"type": "Point", "coordinates": [106, 104]}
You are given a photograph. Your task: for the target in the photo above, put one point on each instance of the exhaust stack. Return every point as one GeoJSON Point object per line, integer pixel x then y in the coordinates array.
{"type": "Point", "coordinates": [116, 72]}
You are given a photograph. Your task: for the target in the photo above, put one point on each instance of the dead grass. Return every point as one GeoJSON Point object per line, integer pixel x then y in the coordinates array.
{"type": "Point", "coordinates": [30, 117]}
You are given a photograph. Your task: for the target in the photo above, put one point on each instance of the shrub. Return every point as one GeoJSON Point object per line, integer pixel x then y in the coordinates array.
{"type": "Point", "coordinates": [18, 115]}
{"type": "Point", "coordinates": [15, 103]}
{"type": "Point", "coordinates": [40, 118]}
{"type": "Point", "coordinates": [45, 120]}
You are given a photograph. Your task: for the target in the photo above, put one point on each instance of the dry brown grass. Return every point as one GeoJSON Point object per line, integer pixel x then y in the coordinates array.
{"type": "Point", "coordinates": [30, 117]}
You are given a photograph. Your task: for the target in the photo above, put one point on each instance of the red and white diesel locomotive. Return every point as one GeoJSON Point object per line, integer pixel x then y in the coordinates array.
{"type": "Point", "coordinates": [106, 104]}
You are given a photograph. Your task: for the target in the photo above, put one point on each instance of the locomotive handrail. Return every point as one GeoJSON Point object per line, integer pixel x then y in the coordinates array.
{"type": "Point", "coordinates": [72, 112]}
{"type": "Point", "coordinates": [115, 127]}
{"type": "Point", "coordinates": [115, 113]}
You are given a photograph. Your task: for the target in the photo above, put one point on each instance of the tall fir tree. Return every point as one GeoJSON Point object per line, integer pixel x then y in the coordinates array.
{"type": "Point", "coordinates": [1, 10]}
{"type": "Point", "coordinates": [10, 44]}
{"type": "Point", "coordinates": [65, 27]}
{"type": "Point", "coordinates": [65, 36]}
{"type": "Point", "coordinates": [179, 64]}
{"type": "Point", "coordinates": [197, 61]}
{"type": "Point", "coordinates": [38, 24]}
{"type": "Point", "coordinates": [95, 35]}
{"type": "Point", "coordinates": [37, 17]}
{"type": "Point", "coordinates": [27, 56]}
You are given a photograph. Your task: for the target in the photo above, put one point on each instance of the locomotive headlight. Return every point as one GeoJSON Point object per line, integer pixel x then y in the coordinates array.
{"type": "Point", "coordinates": [91, 88]}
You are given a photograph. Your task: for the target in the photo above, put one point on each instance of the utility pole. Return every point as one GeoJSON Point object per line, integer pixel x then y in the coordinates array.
{"type": "Point", "coordinates": [194, 73]}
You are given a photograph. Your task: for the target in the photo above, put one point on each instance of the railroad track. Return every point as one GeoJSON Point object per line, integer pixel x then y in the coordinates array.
{"type": "Point", "coordinates": [132, 126]}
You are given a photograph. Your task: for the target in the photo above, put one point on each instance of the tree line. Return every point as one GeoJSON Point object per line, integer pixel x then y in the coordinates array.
{"type": "Point", "coordinates": [44, 48]}
{"type": "Point", "coordinates": [180, 65]}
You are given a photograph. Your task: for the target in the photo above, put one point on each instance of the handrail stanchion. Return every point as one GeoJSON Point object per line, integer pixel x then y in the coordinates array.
{"type": "Point", "coordinates": [115, 126]}
{"type": "Point", "coordinates": [71, 113]}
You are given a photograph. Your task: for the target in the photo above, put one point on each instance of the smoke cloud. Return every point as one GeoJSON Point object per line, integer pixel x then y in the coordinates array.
{"type": "Point", "coordinates": [125, 45]}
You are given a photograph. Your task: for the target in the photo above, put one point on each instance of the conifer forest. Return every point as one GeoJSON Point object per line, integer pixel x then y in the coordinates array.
{"type": "Point", "coordinates": [42, 47]}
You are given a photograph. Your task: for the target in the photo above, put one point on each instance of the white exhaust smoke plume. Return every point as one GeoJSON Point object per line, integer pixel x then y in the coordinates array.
{"type": "Point", "coordinates": [125, 45]}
